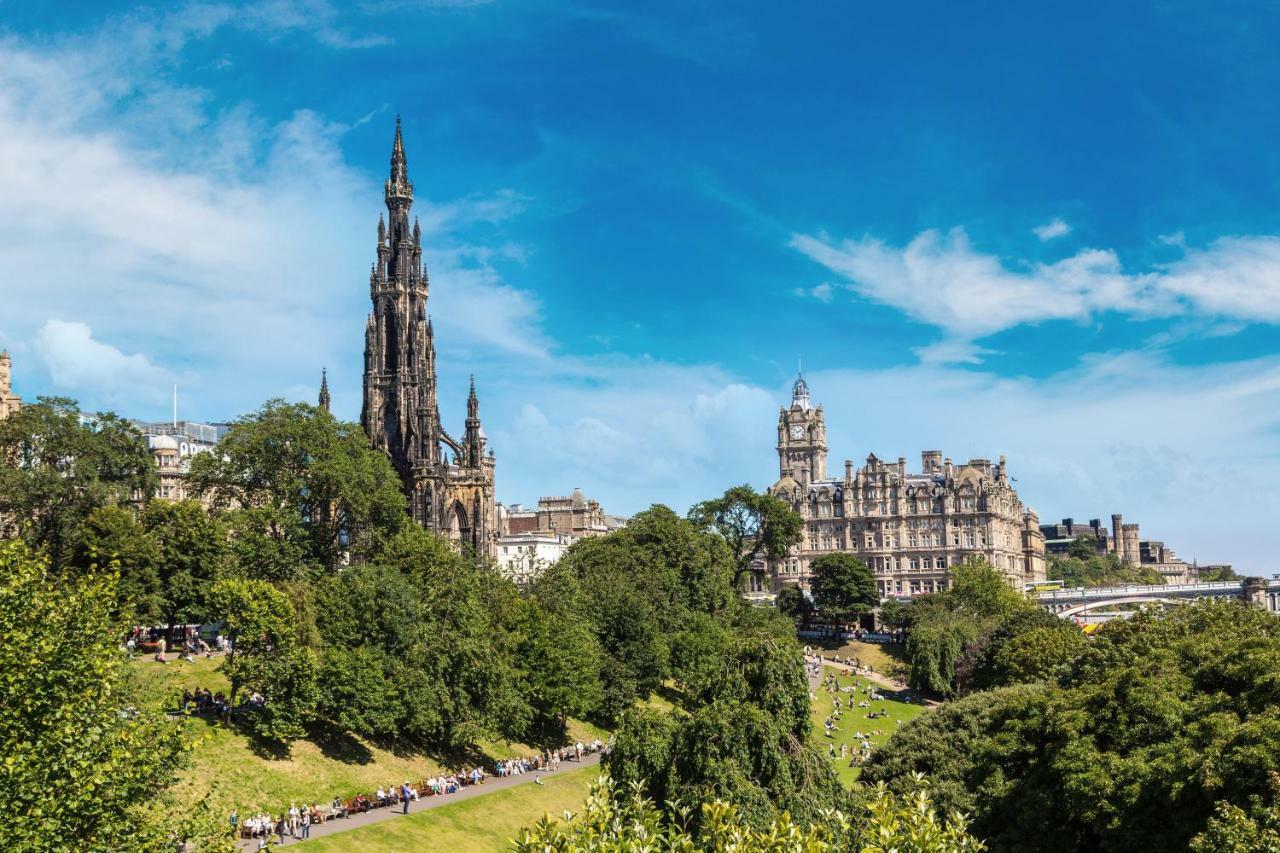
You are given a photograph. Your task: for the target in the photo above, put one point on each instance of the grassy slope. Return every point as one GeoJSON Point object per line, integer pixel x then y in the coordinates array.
{"type": "Point", "coordinates": [886, 658]}
{"type": "Point", "coordinates": [225, 766]}
{"type": "Point", "coordinates": [855, 720]}
{"type": "Point", "coordinates": [485, 823]}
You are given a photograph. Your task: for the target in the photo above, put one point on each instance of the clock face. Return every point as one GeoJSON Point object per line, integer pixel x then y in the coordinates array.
{"type": "Point", "coordinates": [797, 431]}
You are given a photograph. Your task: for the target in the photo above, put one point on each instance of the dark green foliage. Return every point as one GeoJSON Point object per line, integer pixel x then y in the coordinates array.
{"type": "Point", "coordinates": [560, 659]}
{"type": "Point", "coordinates": [1137, 741]}
{"type": "Point", "coordinates": [1027, 645]}
{"type": "Point", "coordinates": [266, 657]}
{"type": "Point", "coordinates": [57, 471]}
{"type": "Point", "coordinates": [1085, 568]}
{"type": "Point", "coordinates": [1209, 574]}
{"type": "Point", "coordinates": [194, 552]}
{"type": "Point", "coordinates": [744, 740]}
{"type": "Point", "coordinates": [843, 587]}
{"type": "Point", "coordinates": [944, 644]}
{"type": "Point", "coordinates": [300, 487]}
{"type": "Point", "coordinates": [111, 537]}
{"type": "Point", "coordinates": [85, 760]}
{"type": "Point", "coordinates": [793, 603]}
{"type": "Point", "coordinates": [751, 524]}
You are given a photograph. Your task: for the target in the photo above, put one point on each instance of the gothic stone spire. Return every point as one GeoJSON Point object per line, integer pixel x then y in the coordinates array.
{"type": "Point", "coordinates": [398, 184]}
{"type": "Point", "coordinates": [324, 388]}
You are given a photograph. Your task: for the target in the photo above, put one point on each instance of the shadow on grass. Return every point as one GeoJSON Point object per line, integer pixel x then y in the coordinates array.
{"type": "Point", "coordinates": [339, 745]}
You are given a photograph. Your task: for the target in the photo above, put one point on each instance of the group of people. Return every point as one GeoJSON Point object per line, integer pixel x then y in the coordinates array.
{"type": "Point", "coordinates": [549, 760]}
{"type": "Point", "coordinates": [205, 702]}
{"type": "Point", "coordinates": [844, 699]}
{"type": "Point", "coordinates": [192, 643]}
{"type": "Point", "coordinates": [297, 821]}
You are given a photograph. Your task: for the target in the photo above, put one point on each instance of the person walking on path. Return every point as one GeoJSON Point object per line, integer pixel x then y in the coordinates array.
{"type": "Point", "coordinates": [404, 796]}
{"type": "Point", "coordinates": [306, 824]}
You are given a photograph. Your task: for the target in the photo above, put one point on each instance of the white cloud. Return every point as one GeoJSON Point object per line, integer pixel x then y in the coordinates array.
{"type": "Point", "coordinates": [75, 360]}
{"type": "Point", "coordinates": [942, 280]}
{"type": "Point", "coordinates": [1051, 230]}
{"type": "Point", "coordinates": [207, 236]}
{"type": "Point", "coordinates": [950, 351]}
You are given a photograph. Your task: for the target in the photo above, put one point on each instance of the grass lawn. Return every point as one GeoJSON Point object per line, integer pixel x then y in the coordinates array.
{"type": "Point", "coordinates": [855, 720]}
{"type": "Point", "coordinates": [226, 767]}
{"type": "Point", "coordinates": [886, 658]}
{"type": "Point", "coordinates": [483, 823]}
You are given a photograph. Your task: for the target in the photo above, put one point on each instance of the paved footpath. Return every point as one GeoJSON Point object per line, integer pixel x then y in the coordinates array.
{"type": "Point", "coordinates": [491, 785]}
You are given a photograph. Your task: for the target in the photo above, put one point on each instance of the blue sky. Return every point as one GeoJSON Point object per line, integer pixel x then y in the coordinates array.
{"type": "Point", "coordinates": [1048, 232]}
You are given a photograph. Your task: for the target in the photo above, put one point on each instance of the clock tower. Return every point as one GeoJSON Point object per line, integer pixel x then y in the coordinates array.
{"type": "Point", "coordinates": [802, 438]}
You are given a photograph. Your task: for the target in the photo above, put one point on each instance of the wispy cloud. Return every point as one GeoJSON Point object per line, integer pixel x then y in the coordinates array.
{"type": "Point", "coordinates": [1052, 229]}
{"type": "Point", "coordinates": [208, 237]}
{"type": "Point", "coordinates": [943, 281]}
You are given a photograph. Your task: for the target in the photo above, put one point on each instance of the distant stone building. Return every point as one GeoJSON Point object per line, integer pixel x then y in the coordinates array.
{"type": "Point", "coordinates": [173, 444]}
{"type": "Point", "coordinates": [1126, 542]}
{"type": "Point", "coordinates": [9, 401]}
{"type": "Point", "coordinates": [523, 556]}
{"type": "Point", "coordinates": [449, 481]}
{"type": "Point", "coordinates": [571, 518]}
{"type": "Point", "coordinates": [1058, 538]}
{"type": "Point", "coordinates": [910, 528]}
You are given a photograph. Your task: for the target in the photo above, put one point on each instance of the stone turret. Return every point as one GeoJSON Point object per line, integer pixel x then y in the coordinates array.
{"type": "Point", "coordinates": [9, 401]}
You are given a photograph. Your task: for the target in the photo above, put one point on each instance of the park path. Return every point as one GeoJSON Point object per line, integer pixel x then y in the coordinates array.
{"type": "Point", "coordinates": [491, 785]}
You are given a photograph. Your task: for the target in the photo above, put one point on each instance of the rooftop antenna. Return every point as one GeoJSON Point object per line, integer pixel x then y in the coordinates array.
{"type": "Point", "coordinates": [175, 407]}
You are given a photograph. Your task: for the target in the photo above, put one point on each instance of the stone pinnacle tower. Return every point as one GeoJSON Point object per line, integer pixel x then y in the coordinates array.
{"type": "Point", "coordinates": [452, 496]}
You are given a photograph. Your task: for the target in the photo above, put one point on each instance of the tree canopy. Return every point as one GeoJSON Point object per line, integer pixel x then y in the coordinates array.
{"type": "Point", "coordinates": [1137, 741]}
{"type": "Point", "coordinates": [300, 484]}
{"type": "Point", "coordinates": [752, 524]}
{"type": "Point", "coordinates": [843, 587]}
{"type": "Point", "coordinates": [86, 759]}
{"type": "Point", "coordinates": [59, 467]}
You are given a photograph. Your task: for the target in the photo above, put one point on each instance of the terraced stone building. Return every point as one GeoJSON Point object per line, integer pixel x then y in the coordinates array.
{"type": "Point", "coordinates": [910, 527]}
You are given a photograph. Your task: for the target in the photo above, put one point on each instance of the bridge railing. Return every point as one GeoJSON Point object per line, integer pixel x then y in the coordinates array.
{"type": "Point", "coordinates": [1083, 593]}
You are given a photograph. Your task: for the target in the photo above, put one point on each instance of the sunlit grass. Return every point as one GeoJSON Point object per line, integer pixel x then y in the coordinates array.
{"type": "Point", "coordinates": [480, 824]}
{"type": "Point", "coordinates": [854, 720]}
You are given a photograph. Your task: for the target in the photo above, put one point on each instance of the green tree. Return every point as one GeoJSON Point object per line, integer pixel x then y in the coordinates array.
{"type": "Point", "coordinates": [894, 614]}
{"type": "Point", "coordinates": [113, 536]}
{"type": "Point", "coordinates": [752, 524]}
{"type": "Point", "coordinates": [1233, 830]}
{"type": "Point", "coordinates": [793, 603]}
{"type": "Point", "coordinates": [86, 762]}
{"type": "Point", "coordinates": [621, 817]}
{"type": "Point", "coordinates": [1082, 548]}
{"type": "Point", "coordinates": [1089, 570]}
{"type": "Point", "coordinates": [377, 675]}
{"type": "Point", "coordinates": [470, 617]}
{"type": "Point", "coordinates": [1135, 743]}
{"type": "Point", "coordinates": [561, 659]}
{"type": "Point", "coordinates": [843, 587]}
{"type": "Point", "coordinates": [266, 657]}
{"type": "Point", "coordinates": [303, 480]}
{"type": "Point", "coordinates": [194, 550]}
{"type": "Point", "coordinates": [744, 739]}
{"type": "Point", "coordinates": [57, 470]}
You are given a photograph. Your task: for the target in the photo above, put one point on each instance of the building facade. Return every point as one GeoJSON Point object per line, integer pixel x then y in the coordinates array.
{"type": "Point", "coordinates": [909, 527]}
{"type": "Point", "coordinates": [9, 401]}
{"type": "Point", "coordinates": [173, 444]}
{"type": "Point", "coordinates": [449, 481]}
{"type": "Point", "coordinates": [523, 556]}
{"type": "Point", "coordinates": [571, 518]}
